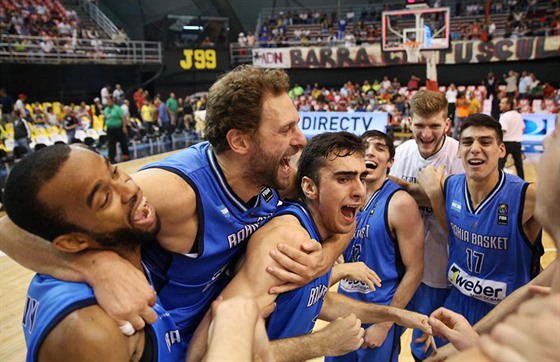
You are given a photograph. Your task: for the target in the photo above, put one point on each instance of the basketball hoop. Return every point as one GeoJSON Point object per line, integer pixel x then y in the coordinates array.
{"type": "Point", "coordinates": [412, 49]}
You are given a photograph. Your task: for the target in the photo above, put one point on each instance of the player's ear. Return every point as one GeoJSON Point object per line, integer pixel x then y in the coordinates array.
{"type": "Point", "coordinates": [73, 242]}
{"type": "Point", "coordinates": [309, 188]}
{"type": "Point", "coordinates": [238, 141]}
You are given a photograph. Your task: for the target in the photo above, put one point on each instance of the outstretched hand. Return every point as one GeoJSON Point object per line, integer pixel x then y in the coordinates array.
{"type": "Point", "coordinates": [453, 327]}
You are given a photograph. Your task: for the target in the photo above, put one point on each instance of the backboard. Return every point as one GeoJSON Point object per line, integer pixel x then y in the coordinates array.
{"type": "Point", "coordinates": [429, 27]}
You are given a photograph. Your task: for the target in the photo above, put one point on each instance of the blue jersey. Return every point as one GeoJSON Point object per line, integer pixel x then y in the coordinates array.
{"type": "Point", "coordinates": [373, 245]}
{"type": "Point", "coordinates": [50, 300]}
{"type": "Point", "coordinates": [297, 311]}
{"type": "Point", "coordinates": [187, 284]}
{"type": "Point", "coordinates": [489, 254]}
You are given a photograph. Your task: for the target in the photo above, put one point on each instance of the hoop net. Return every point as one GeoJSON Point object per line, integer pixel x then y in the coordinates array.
{"type": "Point", "coordinates": [412, 49]}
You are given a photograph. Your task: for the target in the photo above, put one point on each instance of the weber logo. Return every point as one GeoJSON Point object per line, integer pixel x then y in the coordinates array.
{"type": "Point", "coordinates": [488, 291]}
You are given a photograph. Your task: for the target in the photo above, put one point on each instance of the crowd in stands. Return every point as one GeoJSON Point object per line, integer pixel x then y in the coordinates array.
{"type": "Point", "coordinates": [45, 123]}
{"type": "Point", "coordinates": [391, 96]}
{"type": "Point", "coordinates": [509, 18]}
{"type": "Point", "coordinates": [155, 116]}
{"type": "Point", "coordinates": [45, 28]}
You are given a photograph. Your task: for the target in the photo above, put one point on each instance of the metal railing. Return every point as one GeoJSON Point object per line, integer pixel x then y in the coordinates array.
{"type": "Point", "coordinates": [98, 17]}
{"type": "Point", "coordinates": [27, 49]}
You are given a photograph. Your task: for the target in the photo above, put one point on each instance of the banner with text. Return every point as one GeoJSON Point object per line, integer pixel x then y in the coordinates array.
{"type": "Point", "coordinates": [460, 52]}
{"type": "Point", "coordinates": [313, 123]}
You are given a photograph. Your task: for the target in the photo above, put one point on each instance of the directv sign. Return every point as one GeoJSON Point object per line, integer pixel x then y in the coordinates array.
{"type": "Point", "coordinates": [313, 123]}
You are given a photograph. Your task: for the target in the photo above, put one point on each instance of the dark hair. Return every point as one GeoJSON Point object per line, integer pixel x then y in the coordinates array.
{"type": "Point", "coordinates": [483, 120]}
{"type": "Point", "coordinates": [24, 183]}
{"type": "Point", "coordinates": [384, 136]}
{"type": "Point", "coordinates": [314, 155]}
{"type": "Point", "coordinates": [235, 101]}
{"type": "Point", "coordinates": [510, 102]}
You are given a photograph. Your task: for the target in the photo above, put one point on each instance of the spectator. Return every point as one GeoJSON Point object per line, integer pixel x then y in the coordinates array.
{"type": "Point", "coordinates": [413, 83]}
{"type": "Point", "coordinates": [491, 84]}
{"type": "Point", "coordinates": [6, 106]}
{"type": "Point", "coordinates": [118, 94]}
{"type": "Point", "coordinates": [70, 123]}
{"type": "Point", "coordinates": [172, 107]}
{"type": "Point", "coordinates": [511, 83]}
{"type": "Point", "coordinates": [105, 94]}
{"type": "Point", "coordinates": [22, 131]}
{"type": "Point", "coordinates": [524, 85]}
{"type": "Point", "coordinates": [474, 103]}
{"type": "Point", "coordinates": [20, 105]}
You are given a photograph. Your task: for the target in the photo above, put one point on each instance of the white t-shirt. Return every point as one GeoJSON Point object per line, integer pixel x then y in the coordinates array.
{"type": "Point", "coordinates": [451, 95]}
{"type": "Point", "coordinates": [408, 162]}
{"type": "Point", "coordinates": [512, 125]}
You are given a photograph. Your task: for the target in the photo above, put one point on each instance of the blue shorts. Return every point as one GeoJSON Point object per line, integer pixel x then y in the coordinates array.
{"type": "Point", "coordinates": [387, 352]}
{"type": "Point", "coordinates": [425, 301]}
{"type": "Point", "coordinates": [472, 309]}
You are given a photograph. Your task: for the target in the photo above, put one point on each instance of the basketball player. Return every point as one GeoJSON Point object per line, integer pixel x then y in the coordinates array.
{"type": "Point", "coordinates": [429, 124]}
{"type": "Point", "coordinates": [330, 173]}
{"type": "Point", "coordinates": [214, 195]}
{"type": "Point", "coordinates": [388, 239]}
{"type": "Point", "coordinates": [97, 207]}
{"type": "Point", "coordinates": [526, 326]}
{"type": "Point", "coordinates": [494, 240]}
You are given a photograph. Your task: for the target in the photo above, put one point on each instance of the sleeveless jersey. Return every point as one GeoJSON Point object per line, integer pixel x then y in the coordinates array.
{"type": "Point", "coordinates": [188, 283]}
{"type": "Point", "coordinates": [408, 162]}
{"type": "Point", "coordinates": [373, 245]}
{"type": "Point", "coordinates": [50, 300]}
{"type": "Point", "coordinates": [489, 254]}
{"type": "Point", "coordinates": [297, 311]}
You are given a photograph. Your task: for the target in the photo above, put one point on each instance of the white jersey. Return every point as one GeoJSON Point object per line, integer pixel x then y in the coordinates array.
{"type": "Point", "coordinates": [408, 162]}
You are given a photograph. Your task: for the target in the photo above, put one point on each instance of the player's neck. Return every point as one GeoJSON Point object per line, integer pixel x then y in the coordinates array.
{"type": "Point", "coordinates": [372, 187]}
{"type": "Point", "coordinates": [233, 170]}
{"type": "Point", "coordinates": [479, 189]}
{"type": "Point", "coordinates": [131, 254]}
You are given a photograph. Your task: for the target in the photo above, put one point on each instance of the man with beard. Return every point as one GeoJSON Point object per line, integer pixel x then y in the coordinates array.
{"type": "Point", "coordinates": [74, 198]}
{"type": "Point", "coordinates": [210, 198]}
{"type": "Point", "coordinates": [330, 175]}
{"type": "Point", "coordinates": [429, 124]}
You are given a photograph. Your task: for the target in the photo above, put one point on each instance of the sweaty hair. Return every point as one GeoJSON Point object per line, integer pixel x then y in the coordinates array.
{"type": "Point", "coordinates": [483, 120]}
{"type": "Point", "coordinates": [425, 103]}
{"type": "Point", "coordinates": [380, 135]}
{"type": "Point", "coordinates": [235, 101]}
{"type": "Point", "coordinates": [24, 183]}
{"type": "Point", "coordinates": [315, 155]}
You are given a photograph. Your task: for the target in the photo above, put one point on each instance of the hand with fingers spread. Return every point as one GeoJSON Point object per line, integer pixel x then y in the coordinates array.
{"type": "Point", "coordinates": [531, 334]}
{"type": "Point", "coordinates": [298, 266]}
{"type": "Point", "coordinates": [128, 298]}
{"type": "Point", "coordinates": [429, 342]}
{"type": "Point", "coordinates": [358, 271]}
{"type": "Point", "coordinates": [343, 335]}
{"type": "Point", "coordinates": [453, 327]}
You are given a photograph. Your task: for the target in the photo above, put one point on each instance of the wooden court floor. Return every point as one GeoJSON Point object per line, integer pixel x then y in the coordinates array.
{"type": "Point", "coordinates": [14, 280]}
